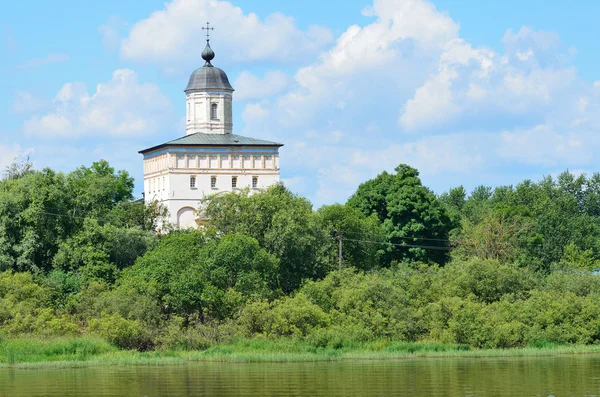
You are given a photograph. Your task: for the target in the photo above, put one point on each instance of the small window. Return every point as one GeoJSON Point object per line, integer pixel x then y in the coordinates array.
{"type": "Point", "coordinates": [234, 182]}
{"type": "Point", "coordinates": [164, 186]}
{"type": "Point", "coordinates": [213, 111]}
{"type": "Point", "coordinates": [192, 182]}
{"type": "Point", "coordinates": [213, 182]}
{"type": "Point", "coordinates": [254, 182]}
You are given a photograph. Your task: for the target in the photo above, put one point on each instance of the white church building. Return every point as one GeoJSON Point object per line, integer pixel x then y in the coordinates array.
{"type": "Point", "coordinates": [209, 159]}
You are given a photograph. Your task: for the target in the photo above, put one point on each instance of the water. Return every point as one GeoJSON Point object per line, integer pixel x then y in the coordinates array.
{"type": "Point", "coordinates": [550, 376]}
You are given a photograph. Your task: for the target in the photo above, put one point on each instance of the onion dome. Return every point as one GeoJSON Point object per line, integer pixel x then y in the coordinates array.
{"type": "Point", "coordinates": [208, 77]}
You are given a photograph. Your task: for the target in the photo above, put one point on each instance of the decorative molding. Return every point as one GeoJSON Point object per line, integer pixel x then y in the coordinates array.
{"type": "Point", "coordinates": [217, 150]}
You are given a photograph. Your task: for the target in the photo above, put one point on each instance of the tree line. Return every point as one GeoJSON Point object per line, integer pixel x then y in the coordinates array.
{"type": "Point", "coordinates": [497, 267]}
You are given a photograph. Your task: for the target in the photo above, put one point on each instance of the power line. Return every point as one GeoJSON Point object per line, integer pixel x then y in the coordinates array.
{"type": "Point", "coordinates": [400, 237]}
{"type": "Point", "coordinates": [398, 245]}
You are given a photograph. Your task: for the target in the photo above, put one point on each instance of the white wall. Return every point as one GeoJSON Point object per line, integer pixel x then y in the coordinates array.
{"type": "Point", "coordinates": [171, 185]}
{"type": "Point", "coordinates": [198, 117]}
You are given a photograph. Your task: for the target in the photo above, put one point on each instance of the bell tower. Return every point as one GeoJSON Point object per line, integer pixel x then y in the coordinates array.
{"type": "Point", "coordinates": [209, 97]}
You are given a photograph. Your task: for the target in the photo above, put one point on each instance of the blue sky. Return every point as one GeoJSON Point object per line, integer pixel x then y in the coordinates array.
{"type": "Point", "coordinates": [468, 92]}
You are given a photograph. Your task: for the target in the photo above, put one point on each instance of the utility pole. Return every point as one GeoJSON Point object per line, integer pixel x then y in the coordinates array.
{"type": "Point", "coordinates": [339, 236]}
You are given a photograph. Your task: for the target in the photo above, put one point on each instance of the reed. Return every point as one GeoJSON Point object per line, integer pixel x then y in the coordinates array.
{"type": "Point", "coordinates": [86, 351]}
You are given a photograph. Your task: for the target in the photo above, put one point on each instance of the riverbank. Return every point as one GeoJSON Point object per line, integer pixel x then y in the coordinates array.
{"type": "Point", "coordinates": [86, 351]}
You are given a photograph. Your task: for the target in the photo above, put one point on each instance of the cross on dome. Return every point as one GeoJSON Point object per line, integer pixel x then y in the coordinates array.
{"type": "Point", "coordinates": [208, 29]}
{"type": "Point", "coordinates": [208, 54]}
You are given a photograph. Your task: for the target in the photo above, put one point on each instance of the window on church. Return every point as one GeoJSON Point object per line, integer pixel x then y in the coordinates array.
{"type": "Point", "coordinates": [213, 182]}
{"type": "Point", "coordinates": [192, 182]}
{"type": "Point", "coordinates": [254, 182]}
{"type": "Point", "coordinates": [234, 182]}
{"type": "Point", "coordinates": [213, 112]}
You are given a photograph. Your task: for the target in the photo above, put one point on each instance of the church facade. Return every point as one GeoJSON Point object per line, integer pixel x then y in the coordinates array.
{"type": "Point", "coordinates": [209, 159]}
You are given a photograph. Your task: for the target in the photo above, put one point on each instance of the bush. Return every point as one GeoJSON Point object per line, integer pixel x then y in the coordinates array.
{"type": "Point", "coordinates": [123, 333]}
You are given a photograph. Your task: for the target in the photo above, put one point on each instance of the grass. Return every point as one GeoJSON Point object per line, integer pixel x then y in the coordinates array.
{"type": "Point", "coordinates": [87, 351]}
{"type": "Point", "coordinates": [20, 350]}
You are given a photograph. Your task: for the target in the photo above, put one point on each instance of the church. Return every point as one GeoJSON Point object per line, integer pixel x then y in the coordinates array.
{"type": "Point", "coordinates": [209, 159]}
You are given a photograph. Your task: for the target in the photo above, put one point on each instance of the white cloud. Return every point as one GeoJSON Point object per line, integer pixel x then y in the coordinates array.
{"type": "Point", "coordinates": [340, 169]}
{"type": "Point", "coordinates": [173, 37]}
{"type": "Point", "coordinates": [541, 145]}
{"type": "Point", "coordinates": [478, 112]}
{"type": "Point", "coordinates": [248, 86]}
{"type": "Point", "coordinates": [50, 58]}
{"type": "Point", "coordinates": [254, 112]}
{"type": "Point", "coordinates": [111, 32]}
{"type": "Point", "coordinates": [8, 154]}
{"type": "Point", "coordinates": [26, 102]}
{"type": "Point", "coordinates": [121, 106]}
{"type": "Point", "coordinates": [528, 80]}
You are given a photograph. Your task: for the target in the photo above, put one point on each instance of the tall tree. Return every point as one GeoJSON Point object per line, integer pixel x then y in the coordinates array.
{"type": "Point", "coordinates": [282, 222]}
{"type": "Point", "coordinates": [361, 236]}
{"type": "Point", "coordinates": [410, 213]}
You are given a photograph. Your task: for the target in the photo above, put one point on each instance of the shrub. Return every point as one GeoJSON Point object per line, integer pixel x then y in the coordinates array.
{"type": "Point", "coordinates": [124, 333]}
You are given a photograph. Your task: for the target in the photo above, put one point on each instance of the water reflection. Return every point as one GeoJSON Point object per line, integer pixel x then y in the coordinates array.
{"type": "Point", "coordinates": [559, 376]}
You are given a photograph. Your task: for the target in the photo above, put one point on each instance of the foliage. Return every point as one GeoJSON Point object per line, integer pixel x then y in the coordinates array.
{"type": "Point", "coordinates": [411, 214]}
{"type": "Point", "coordinates": [100, 251]}
{"type": "Point", "coordinates": [538, 224]}
{"type": "Point", "coordinates": [79, 257]}
{"type": "Point", "coordinates": [494, 237]}
{"type": "Point", "coordinates": [281, 222]}
{"type": "Point", "coordinates": [341, 220]}
{"type": "Point", "coordinates": [18, 170]}
{"type": "Point", "coordinates": [42, 212]}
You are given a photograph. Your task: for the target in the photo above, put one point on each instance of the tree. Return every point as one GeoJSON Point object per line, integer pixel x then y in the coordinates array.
{"type": "Point", "coordinates": [193, 274]}
{"type": "Point", "coordinates": [40, 210]}
{"type": "Point", "coordinates": [33, 220]}
{"type": "Point", "coordinates": [101, 251]}
{"type": "Point", "coordinates": [97, 189]}
{"type": "Point", "coordinates": [495, 237]}
{"type": "Point", "coordinates": [18, 170]}
{"type": "Point", "coordinates": [410, 213]}
{"type": "Point", "coordinates": [362, 236]}
{"type": "Point", "coordinates": [282, 223]}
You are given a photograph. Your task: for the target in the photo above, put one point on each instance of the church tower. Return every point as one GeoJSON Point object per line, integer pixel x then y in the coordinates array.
{"type": "Point", "coordinates": [208, 99]}
{"type": "Point", "coordinates": [209, 159]}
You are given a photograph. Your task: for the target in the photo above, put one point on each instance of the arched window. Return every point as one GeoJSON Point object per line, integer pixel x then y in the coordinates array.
{"type": "Point", "coordinates": [192, 182]}
{"type": "Point", "coordinates": [213, 111]}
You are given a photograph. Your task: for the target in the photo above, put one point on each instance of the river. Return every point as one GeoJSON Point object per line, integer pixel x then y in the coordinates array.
{"type": "Point", "coordinates": [530, 376]}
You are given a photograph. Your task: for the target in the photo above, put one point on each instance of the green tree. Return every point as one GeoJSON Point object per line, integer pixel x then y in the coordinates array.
{"type": "Point", "coordinates": [101, 251]}
{"type": "Point", "coordinates": [362, 236]}
{"type": "Point", "coordinates": [237, 261]}
{"type": "Point", "coordinates": [410, 213]}
{"type": "Point", "coordinates": [97, 189]}
{"type": "Point", "coordinates": [32, 220]}
{"type": "Point", "coordinates": [282, 223]}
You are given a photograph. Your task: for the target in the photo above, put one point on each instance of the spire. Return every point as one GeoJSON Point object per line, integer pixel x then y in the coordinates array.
{"type": "Point", "coordinates": [208, 54]}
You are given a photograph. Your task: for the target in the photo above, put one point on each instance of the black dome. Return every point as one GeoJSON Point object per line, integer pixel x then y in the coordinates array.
{"type": "Point", "coordinates": [208, 77]}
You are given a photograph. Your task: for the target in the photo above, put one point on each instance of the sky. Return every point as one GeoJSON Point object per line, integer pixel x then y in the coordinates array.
{"type": "Point", "coordinates": [468, 92]}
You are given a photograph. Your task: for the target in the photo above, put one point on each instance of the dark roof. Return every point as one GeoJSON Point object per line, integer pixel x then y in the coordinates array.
{"type": "Point", "coordinates": [200, 139]}
{"type": "Point", "coordinates": [208, 78]}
